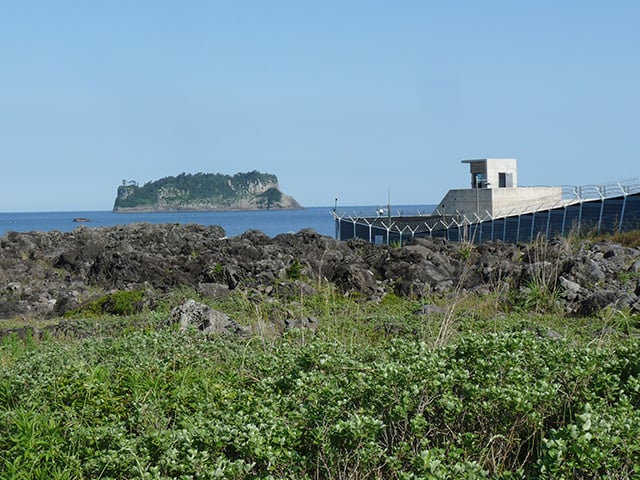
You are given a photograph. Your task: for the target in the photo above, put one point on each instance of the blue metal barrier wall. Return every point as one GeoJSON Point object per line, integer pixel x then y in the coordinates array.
{"type": "Point", "coordinates": [603, 215]}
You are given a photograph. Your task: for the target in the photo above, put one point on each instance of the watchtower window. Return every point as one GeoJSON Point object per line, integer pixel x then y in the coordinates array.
{"type": "Point", "coordinates": [505, 180]}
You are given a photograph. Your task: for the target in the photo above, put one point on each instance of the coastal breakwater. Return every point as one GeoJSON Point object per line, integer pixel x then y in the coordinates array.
{"type": "Point", "coordinates": [45, 274]}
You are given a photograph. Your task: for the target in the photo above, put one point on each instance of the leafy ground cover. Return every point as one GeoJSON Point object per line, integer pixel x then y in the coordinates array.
{"type": "Point", "coordinates": [376, 392]}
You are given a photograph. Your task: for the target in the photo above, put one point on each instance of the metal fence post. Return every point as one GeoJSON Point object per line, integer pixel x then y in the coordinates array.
{"type": "Point", "coordinates": [602, 200]}
{"type": "Point", "coordinates": [622, 210]}
{"type": "Point", "coordinates": [504, 229]}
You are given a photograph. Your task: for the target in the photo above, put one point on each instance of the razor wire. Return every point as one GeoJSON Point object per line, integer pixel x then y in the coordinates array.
{"type": "Point", "coordinates": [580, 207]}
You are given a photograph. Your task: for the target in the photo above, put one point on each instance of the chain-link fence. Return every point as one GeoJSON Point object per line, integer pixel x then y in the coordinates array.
{"type": "Point", "coordinates": [595, 208]}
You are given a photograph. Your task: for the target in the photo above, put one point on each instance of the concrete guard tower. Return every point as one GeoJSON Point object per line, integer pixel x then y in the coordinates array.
{"type": "Point", "coordinates": [494, 191]}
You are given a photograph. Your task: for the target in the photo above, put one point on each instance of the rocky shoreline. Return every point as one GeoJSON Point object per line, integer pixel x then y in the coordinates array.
{"type": "Point", "coordinates": [45, 274]}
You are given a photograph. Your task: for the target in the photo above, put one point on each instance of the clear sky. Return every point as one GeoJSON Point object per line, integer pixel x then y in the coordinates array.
{"type": "Point", "coordinates": [342, 99]}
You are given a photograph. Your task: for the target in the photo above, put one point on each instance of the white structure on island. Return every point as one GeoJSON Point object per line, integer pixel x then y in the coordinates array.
{"type": "Point", "coordinates": [494, 191]}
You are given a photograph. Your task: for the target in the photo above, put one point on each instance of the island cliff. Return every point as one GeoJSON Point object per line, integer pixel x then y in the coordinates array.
{"type": "Point", "coordinates": [205, 192]}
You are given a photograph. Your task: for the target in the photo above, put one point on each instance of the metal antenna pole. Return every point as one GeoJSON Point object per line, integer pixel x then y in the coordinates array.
{"type": "Point", "coordinates": [389, 204]}
{"type": "Point", "coordinates": [477, 196]}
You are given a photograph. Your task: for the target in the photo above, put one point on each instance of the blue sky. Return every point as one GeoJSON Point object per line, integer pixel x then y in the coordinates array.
{"type": "Point", "coordinates": [340, 99]}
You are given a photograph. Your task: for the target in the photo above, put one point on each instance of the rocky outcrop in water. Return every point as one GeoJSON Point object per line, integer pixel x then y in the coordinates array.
{"type": "Point", "coordinates": [44, 275]}
{"type": "Point", "coordinates": [204, 192]}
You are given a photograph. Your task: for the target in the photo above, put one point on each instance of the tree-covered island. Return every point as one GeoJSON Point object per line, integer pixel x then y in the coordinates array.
{"type": "Point", "coordinates": [204, 192]}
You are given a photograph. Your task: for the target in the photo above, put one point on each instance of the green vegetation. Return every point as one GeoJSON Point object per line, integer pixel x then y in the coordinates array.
{"type": "Point", "coordinates": [195, 188]}
{"type": "Point", "coordinates": [294, 271]}
{"type": "Point", "coordinates": [269, 198]}
{"type": "Point", "coordinates": [377, 392]}
{"type": "Point", "coordinates": [119, 303]}
{"type": "Point", "coordinates": [629, 238]}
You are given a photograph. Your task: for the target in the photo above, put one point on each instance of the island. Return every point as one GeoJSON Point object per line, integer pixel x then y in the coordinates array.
{"type": "Point", "coordinates": [204, 192]}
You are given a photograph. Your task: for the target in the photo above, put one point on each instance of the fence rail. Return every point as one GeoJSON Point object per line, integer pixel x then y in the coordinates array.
{"type": "Point", "coordinates": [599, 208]}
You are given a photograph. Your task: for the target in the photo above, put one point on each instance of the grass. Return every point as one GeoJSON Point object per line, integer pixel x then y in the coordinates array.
{"type": "Point", "coordinates": [629, 238]}
{"type": "Point", "coordinates": [377, 392]}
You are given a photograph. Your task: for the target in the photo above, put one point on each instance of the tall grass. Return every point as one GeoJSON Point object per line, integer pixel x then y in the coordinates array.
{"type": "Point", "coordinates": [629, 238]}
{"type": "Point", "coordinates": [541, 292]}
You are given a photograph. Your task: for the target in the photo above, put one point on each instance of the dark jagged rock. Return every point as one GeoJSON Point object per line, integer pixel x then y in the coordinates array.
{"type": "Point", "coordinates": [46, 274]}
{"type": "Point", "coordinates": [11, 309]}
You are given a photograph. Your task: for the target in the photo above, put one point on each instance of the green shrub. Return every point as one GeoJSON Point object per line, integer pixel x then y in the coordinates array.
{"type": "Point", "coordinates": [294, 271]}
{"type": "Point", "coordinates": [121, 303]}
{"type": "Point", "coordinates": [498, 400]}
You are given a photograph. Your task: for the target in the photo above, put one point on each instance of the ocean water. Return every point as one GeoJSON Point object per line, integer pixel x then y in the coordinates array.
{"type": "Point", "coordinates": [270, 222]}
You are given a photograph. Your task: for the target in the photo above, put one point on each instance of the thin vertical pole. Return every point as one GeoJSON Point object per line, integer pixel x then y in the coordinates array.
{"type": "Point", "coordinates": [335, 207]}
{"type": "Point", "coordinates": [533, 221]}
{"type": "Point", "coordinates": [624, 206]}
{"type": "Point", "coordinates": [580, 216]}
{"type": "Point", "coordinates": [600, 217]}
{"type": "Point", "coordinates": [504, 229]}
